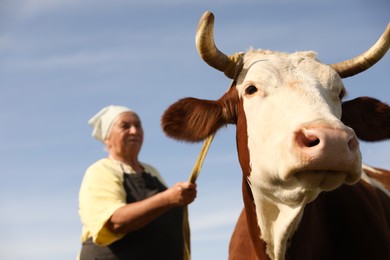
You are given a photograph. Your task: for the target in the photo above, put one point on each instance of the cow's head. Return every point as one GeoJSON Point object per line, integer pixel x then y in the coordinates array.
{"type": "Point", "coordinates": [295, 135]}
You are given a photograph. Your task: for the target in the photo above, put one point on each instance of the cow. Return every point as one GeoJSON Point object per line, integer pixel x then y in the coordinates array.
{"type": "Point", "coordinates": [306, 192]}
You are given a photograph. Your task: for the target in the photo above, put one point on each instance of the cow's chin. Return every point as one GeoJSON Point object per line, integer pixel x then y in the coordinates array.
{"type": "Point", "coordinates": [305, 186]}
{"type": "Point", "coordinates": [323, 180]}
{"type": "Point", "coordinates": [313, 183]}
{"type": "Point", "coordinates": [294, 197]}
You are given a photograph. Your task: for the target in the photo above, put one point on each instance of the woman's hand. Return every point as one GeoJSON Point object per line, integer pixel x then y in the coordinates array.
{"type": "Point", "coordinates": [181, 194]}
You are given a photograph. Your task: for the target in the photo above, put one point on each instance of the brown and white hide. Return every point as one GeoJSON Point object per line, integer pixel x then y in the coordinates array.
{"type": "Point", "coordinates": [306, 193]}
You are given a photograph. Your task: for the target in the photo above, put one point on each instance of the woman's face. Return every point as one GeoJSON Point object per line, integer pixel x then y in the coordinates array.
{"type": "Point", "coordinates": [126, 135]}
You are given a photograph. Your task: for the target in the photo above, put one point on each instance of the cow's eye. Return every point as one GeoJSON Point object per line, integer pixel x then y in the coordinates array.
{"type": "Point", "coordinates": [250, 90]}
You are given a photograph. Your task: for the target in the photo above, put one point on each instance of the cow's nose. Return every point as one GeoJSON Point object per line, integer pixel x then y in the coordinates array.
{"type": "Point", "coordinates": [332, 145]}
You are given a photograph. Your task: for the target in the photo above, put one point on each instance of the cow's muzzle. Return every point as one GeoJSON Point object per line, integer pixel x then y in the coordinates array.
{"type": "Point", "coordinates": [331, 152]}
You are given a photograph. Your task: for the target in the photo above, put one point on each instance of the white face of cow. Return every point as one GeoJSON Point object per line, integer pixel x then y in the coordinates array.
{"type": "Point", "coordinates": [297, 144]}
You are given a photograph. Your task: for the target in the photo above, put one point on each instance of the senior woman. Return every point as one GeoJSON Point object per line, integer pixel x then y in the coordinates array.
{"type": "Point", "coordinates": [126, 209]}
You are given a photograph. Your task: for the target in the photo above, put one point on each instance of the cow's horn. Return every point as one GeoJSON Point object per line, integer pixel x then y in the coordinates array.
{"type": "Point", "coordinates": [209, 52]}
{"type": "Point", "coordinates": [365, 60]}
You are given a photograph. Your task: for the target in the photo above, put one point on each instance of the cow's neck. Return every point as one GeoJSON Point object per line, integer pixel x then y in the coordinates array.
{"type": "Point", "coordinates": [277, 223]}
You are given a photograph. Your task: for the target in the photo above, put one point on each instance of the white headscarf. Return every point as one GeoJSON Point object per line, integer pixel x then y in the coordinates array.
{"type": "Point", "coordinates": [102, 120]}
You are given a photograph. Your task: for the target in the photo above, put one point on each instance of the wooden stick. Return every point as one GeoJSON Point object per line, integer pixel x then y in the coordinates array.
{"type": "Point", "coordinates": [194, 175]}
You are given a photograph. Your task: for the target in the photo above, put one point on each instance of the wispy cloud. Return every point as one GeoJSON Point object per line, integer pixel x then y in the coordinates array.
{"type": "Point", "coordinates": [225, 215]}
{"type": "Point", "coordinates": [66, 61]}
{"type": "Point", "coordinates": [25, 224]}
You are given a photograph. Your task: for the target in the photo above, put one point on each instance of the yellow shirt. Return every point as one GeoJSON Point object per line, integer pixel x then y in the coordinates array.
{"type": "Point", "coordinates": [101, 194]}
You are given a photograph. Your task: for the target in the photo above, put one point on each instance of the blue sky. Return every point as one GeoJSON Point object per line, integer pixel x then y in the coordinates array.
{"type": "Point", "coordinates": [63, 60]}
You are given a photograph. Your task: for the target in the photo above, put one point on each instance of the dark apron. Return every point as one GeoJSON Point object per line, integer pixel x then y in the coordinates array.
{"type": "Point", "coordinates": [160, 239]}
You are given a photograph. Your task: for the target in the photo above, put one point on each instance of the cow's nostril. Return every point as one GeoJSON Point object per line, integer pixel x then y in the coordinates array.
{"type": "Point", "coordinates": [313, 143]}
{"type": "Point", "coordinates": [353, 144]}
{"type": "Point", "coordinates": [305, 139]}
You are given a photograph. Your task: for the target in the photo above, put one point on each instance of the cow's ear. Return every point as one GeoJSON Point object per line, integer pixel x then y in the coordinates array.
{"type": "Point", "coordinates": [369, 117]}
{"type": "Point", "coordinates": [192, 119]}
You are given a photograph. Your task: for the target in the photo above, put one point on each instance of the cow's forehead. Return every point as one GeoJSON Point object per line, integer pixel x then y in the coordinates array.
{"type": "Point", "coordinates": [280, 59]}
{"type": "Point", "coordinates": [276, 67]}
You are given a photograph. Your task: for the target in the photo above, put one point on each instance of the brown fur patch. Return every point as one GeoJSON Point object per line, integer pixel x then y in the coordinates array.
{"type": "Point", "coordinates": [193, 120]}
{"type": "Point", "coordinates": [245, 242]}
{"type": "Point", "coordinates": [369, 117]}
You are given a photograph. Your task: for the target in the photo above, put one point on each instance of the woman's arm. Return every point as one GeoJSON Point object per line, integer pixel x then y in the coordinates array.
{"type": "Point", "coordinates": [136, 215]}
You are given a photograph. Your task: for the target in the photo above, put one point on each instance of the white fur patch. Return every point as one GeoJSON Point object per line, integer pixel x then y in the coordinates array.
{"type": "Point", "coordinates": [277, 223]}
{"type": "Point", "coordinates": [290, 90]}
